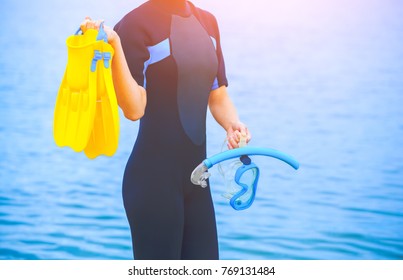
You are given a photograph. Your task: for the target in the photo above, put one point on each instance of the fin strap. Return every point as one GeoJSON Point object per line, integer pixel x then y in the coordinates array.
{"type": "Point", "coordinates": [107, 57]}
{"type": "Point", "coordinates": [97, 56]}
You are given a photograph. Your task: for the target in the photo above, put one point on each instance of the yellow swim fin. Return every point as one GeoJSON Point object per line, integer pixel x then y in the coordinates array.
{"type": "Point", "coordinates": [86, 112]}
{"type": "Point", "coordinates": [105, 132]}
{"type": "Point", "coordinates": [75, 104]}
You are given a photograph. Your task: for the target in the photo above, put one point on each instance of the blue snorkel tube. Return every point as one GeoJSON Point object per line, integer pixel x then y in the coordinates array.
{"type": "Point", "coordinates": [244, 198]}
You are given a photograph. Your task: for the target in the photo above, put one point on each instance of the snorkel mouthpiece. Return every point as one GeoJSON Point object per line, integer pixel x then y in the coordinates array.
{"type": "Point", "coordinates": [200, 175]}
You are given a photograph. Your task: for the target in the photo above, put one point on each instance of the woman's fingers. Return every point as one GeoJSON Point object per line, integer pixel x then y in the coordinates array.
{"type": "Point", "coordinates": [245, 132]}
{"type": "Point", "coordinates": [88, 23]}
{"type": "Point", "coordinates": [232, 142]}
{"type": "Point", "coordinates": [235, 133]}
{"type": "Point", "coordinates": [233, 139]}
{"type": "Point", "coordinates": [98, 23]}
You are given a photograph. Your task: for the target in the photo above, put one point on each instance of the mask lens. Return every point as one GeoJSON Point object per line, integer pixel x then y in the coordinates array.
{"type": "Point", "coordinates": [248, 178]}
{"type": "Point", "coordinates": [228, 171]}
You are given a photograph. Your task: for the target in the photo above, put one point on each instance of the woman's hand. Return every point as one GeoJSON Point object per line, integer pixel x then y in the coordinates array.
{"type": "Point", "coordinates": [88, 23]}
{"type": "Point", "coordinates": [234, 134]}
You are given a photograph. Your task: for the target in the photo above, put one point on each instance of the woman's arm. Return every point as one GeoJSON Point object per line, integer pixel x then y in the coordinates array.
{"type": "Point", "coordinates": [131, 97]}
{"type": "Point", "coordinates": [224, 112]}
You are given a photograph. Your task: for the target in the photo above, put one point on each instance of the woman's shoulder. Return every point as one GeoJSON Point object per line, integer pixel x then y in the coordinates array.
{"type": "Point", "coordinates": [137, 16]}
{"type": "Point", "coordinates": [205, 17]}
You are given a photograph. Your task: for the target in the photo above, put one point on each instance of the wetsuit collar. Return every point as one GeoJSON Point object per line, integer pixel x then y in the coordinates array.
{"type": "Point", "coordinates": [176, 7]}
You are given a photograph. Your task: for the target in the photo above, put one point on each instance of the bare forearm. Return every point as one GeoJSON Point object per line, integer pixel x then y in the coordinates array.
{"type": "Point", "coordinates": [225, 113]}
{"type": "Point", "coordinates": [222, 108]}
{"type": "Point", "coordinates": [131, 97]}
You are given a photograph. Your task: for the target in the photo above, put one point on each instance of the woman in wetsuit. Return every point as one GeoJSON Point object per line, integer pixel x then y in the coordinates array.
{"type": "Point", "coordinates": [167, 69]}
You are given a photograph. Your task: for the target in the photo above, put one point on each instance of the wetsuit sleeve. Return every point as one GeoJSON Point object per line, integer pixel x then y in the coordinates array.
{"type": "Point", "coordinates": [134, 48]}
{"type": "Point", "coordinates": [221, 79]}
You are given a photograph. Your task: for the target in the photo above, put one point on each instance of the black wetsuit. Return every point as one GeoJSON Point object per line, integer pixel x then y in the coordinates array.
{"type": "Point", "coordinates": [175, 54]}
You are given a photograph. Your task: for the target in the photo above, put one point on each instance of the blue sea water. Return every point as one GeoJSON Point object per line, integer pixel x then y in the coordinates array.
{"type": "Point", "coordinates": [320, 80]}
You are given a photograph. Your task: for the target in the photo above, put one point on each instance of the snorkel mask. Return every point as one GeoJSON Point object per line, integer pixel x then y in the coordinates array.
{"type": "Point", "coordinates": [246, 176]}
